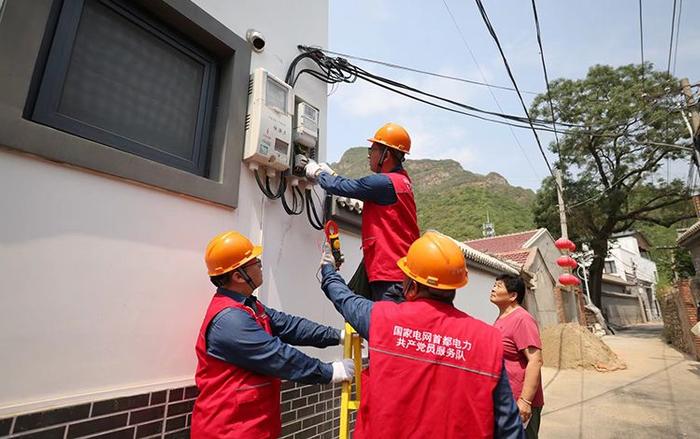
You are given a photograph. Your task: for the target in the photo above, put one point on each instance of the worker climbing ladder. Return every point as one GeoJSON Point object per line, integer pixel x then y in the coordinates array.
{"type": "Point", "coordinates": [352, 348]}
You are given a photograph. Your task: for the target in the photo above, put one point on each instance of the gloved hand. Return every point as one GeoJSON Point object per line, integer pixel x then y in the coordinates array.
{"type": "Point", "coordinates": [300, 161]}
{"type": "Point", "coordinates": [327, 256]}
{"type": "Point", "coordinates": [325, 168]}
{"type": "Point", "coordinates": [343, 370]}
{"type": "Point", "coordinates": [312, 169]}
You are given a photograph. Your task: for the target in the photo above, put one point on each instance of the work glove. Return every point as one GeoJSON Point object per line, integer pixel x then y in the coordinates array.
{"type": "Point", "coordinates": [327, 256]}
{"type": "Point", "coordinates": [300, 161]}
{"type": "Point", "coordinates": [312, 169]}
{"type": "Point", "coordinates": [325, 168]}
{"type": "Point", "coordinates": [343, 370]}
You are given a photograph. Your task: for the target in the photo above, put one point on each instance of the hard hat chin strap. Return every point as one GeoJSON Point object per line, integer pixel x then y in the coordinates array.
{"type": "Point", "coordinates": [382, 158]}
{"type": "Point", "coordinates": [247, 279]}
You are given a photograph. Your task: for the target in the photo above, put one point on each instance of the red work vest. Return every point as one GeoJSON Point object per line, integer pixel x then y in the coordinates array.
{"type": "Point", "coordinates": [388, 231]}
{"type": "Point", "coordinates": [432, 373]}
{"type": "Point", "coordinates": [233, 402]}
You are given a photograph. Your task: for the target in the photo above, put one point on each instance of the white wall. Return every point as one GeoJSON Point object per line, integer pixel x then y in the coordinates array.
{"type": "Point", "coordinates": [627, 259]}
{"type": "Point", "coordinates": [102, 281]}
{"type": "Point", "coordinates": [474, 297]}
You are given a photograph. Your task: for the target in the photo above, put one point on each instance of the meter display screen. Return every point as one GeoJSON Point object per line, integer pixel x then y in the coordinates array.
{"type": "Point", "coordinates": [276, 96]}
{"type": "Point", "coordinates": [281, 146]}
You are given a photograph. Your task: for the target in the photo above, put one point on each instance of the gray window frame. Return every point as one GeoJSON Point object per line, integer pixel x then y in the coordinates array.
{"type": "Point", "coordinates": [24, 26]}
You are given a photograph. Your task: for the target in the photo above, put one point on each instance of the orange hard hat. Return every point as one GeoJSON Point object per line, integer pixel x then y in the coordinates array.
{"type": "Point", "coordinates": [436, 261]}
{"type": "Point", "coordinates": [393, 136]}
{"type": "Point", "coordinates": [228, 251]}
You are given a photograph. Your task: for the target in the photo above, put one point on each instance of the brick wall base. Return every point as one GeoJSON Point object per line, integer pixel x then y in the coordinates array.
{"type": "Point", "coordinates": [308, 411]}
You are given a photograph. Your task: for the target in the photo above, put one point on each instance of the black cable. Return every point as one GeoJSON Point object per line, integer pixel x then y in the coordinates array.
{"type": "Point", "coordinates": [263, 187]}
{"type": "Point", "coordinates": [280, 188]}
{"type": "Point", "coordinates": [493, 95]}
{"type": "Point", "coordinates": [315, 221]}
{"type": "Point", "coordinates": [641, 38]}
{"type": "Point", "coordinates": [423, 72]}
{"type": "Point", "coordinates": [296, 208]}
{"type": "Point", "coordinates": [670, 45]}
{"type": "Point", "coordinates": [678, 33]}
{"type": "Point", "coordinates": [492, 31]}
{"type": "Point", "coordinates": [546, 80]}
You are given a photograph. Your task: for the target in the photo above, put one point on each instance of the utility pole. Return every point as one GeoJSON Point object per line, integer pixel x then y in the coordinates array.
{"type": "Point", "coordinates": [562, 210]}
{"type": "Point", "coordinates": [695, 127]}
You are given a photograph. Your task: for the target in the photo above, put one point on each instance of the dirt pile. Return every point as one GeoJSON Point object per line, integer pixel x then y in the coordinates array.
{"type": "Point", "coordinates": [570, 346]}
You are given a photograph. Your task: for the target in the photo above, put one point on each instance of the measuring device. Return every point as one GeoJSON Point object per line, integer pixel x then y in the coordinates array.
{"type": "Point", "coordinates": [333, 238]}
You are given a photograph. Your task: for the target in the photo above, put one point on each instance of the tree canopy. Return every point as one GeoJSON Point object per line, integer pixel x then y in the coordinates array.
{"type": "Point", "coordinates": [618, 125]}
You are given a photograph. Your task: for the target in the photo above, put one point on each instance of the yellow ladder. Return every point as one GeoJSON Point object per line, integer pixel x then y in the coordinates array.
{"type": "Point", "coordinates": [352, 348]}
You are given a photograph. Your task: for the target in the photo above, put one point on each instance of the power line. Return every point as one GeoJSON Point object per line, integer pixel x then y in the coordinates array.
{"type": "Point", "coordinates": [483, 77]}
{"type": "Point", "coordinates": [424, 72]}
{"type": "Point", "coordinates": [492, 31]}
{"type": "Point", "coordinates": [546, 79]}
{"type": "Point", "coordinates": [641, 37]}
{"type": "Point", "coordinates": [670, 45]}
{"type": "Point", "coordinates": [678, 32]}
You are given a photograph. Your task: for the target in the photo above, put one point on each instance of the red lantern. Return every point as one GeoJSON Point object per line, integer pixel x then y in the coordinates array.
{"type": "Point", "coordinates": [566, 262]}
{"type": "Point", "coordinates": [565, 244]}
{"type": "Point", "coordinates": [569, 279]}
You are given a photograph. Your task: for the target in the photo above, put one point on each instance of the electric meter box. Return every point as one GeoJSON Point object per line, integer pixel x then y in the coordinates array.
{"type": "Point", "coordinates": [306, 121]}
{"type": "Point", "coordinates": [268, 139]}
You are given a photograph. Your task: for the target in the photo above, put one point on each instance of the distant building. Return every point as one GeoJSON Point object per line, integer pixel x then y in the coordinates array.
{"type": "Point", "coordinates": [535, 254]}
{"type": "Point", "coordinates": [629, 261]}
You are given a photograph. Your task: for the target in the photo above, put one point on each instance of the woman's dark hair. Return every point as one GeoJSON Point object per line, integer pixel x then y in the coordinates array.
{"type": "Point", "coordinates": [514, 284]}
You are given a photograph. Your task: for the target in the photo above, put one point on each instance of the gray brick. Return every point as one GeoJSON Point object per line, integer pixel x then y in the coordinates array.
{"type": "Point", "coordinates": [120, 404]}
{"type": "Point", "coordinates": [305, 434]}
{"type": "Point", "coordinates": [97, 425]}
{"type": "Point", "coordinates": [47, 418]}
{"type": "Point", "coordinates": [53, 433]}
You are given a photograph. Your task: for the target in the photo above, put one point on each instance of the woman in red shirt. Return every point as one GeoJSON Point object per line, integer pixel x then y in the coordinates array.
{"type": "Point", "coordinates": [522, 349]}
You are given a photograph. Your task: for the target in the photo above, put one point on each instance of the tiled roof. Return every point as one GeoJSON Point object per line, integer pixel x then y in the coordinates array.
{"type": "Point", "coordinates": [484, 259]}
{"type": "Point", "coordinates": [503, 243]}
{"type": "Point", "coordinates": [692, 230]}
{"type": "Point", "coordinates": [519, 256]}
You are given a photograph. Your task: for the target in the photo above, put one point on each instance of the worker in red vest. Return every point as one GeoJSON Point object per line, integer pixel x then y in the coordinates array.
{"type": "Point", "coordinates": [389, 221]}
{"type": "Point", "coordinates": [243, 351]}
{"type": "Point", "coordinates": [435, 371]}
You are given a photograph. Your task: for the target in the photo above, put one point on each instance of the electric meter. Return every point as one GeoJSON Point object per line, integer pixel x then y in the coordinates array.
{"type": "Point", "coordinates": [268, 137]}
{"type": "Point", "coordinates": [306, 125]}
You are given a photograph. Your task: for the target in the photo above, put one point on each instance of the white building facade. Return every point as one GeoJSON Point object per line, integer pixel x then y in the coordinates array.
{"type": "Point", "coordinates": [103, 284]}
{"type": "Point", "coordinates": [629, 260]}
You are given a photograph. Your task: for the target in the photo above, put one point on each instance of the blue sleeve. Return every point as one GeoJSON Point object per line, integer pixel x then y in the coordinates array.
{"type": "Point", "coordinates": [300, 331]}
{"type": "Point", "coordinates": [377, 187]}
{"type": "Point", "coordinates": [235, 337]}
{"type": "Point", "coordinates": [506, 413]}
{"type": "Point", "coordinates": [354, 308]}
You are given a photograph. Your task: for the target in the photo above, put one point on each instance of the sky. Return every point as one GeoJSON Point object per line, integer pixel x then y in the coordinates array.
{"type": "Point", "coordinates": [422, 35]}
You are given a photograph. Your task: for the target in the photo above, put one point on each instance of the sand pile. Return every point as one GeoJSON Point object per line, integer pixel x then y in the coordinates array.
{"type": "Point", "coordinates": [570, 346]}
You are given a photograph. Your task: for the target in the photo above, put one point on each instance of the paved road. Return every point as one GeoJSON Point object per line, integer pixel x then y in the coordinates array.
{"type": "Point", "coordinates": [658, 396]}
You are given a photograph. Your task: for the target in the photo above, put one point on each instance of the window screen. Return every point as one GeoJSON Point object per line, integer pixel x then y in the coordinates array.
{"type": "Point", "coordinates": [116, 76]}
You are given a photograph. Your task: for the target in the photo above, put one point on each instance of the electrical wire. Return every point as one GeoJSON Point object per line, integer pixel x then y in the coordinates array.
{"type": "Point", "coordinates": [678, 33]}
{"type": "Point", "coordinates": [493, 96]}
{"type": "Point", "coordinates": [492, 31]}
{"type": "Point", "coordinates": [546, 79]}
{"type": "Point", "coordinates": [641, 38]}
{"type": "Point", "coordinates": [425, 72]}
{"type": "Point", "coordinates": [670, 45]}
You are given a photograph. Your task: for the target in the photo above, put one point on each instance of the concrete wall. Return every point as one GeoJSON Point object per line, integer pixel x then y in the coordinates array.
{"type": "Point", "coordinates": [474, 297]}
{"type": "Point", "coordinates": [543, 306]}
{"type": "Point", "coordinates": [621, 309]}
{"type": "Point", "coordinates": [103, 281]}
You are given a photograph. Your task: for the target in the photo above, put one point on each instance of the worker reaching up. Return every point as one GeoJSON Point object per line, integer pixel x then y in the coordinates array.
{"type": "Point", "coordinates": [389, 221]}
{"type": "Point", "coordinates": [435, 371]}
{"type": "Point", "coordinates": [243, 349]}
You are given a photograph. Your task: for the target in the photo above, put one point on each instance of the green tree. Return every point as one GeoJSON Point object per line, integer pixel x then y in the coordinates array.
{"type": "Point", "coordinates": [615, 119]}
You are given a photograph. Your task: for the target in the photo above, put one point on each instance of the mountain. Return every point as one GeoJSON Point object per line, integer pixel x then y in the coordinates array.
{"type": "Point", "coordinates": [453, 200]}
